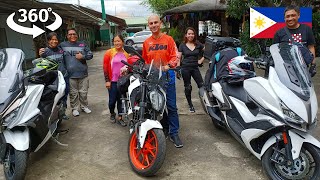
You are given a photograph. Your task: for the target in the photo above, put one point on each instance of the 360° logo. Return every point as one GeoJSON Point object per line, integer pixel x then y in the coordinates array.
{"type": "Point", "coordinates": [33, 16]}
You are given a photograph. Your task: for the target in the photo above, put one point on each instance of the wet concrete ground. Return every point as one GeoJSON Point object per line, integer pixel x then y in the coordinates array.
{"type": "Point", "coordinates": [98, 149]}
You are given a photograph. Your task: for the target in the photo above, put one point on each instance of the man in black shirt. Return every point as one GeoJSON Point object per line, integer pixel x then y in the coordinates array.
{"type": "Point", "coordinates": [300, 33]}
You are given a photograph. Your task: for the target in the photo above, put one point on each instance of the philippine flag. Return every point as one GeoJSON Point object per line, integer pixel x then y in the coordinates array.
{"type": "Point", "coordinates": [265, 21]}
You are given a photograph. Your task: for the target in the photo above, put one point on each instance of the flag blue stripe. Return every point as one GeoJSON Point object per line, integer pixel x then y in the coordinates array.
{"type": "Point", "coordinates": [277, 14]}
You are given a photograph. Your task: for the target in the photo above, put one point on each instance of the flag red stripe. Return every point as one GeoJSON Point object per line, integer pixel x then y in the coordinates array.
{"type": "Point", "coordinates": [269, 33]}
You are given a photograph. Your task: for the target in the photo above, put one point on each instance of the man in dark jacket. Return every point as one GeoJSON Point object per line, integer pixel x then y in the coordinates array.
{"type": "Point", "coordinates": [300, 33]}
{"type": "Point", "coordinates": [76, 54]}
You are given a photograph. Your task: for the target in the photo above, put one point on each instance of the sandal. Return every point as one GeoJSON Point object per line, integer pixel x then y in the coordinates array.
{"type": "Point", "coordinates": [121, 122]}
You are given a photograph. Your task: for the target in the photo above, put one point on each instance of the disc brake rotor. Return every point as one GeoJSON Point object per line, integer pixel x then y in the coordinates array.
{"type": "Point", "coordinates": [299, 170]}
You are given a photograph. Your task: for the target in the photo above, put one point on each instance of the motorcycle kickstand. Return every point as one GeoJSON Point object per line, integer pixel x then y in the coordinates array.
{"type": "Point", "coordinates": [55, 139]}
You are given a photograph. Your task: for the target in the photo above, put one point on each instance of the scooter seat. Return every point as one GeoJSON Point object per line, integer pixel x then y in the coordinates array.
{"type": "Point", "coordinates": [236, 91]}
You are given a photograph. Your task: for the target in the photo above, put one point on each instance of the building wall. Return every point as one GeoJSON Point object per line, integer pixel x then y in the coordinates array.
{"type": "Point", "coordinates": [16, 40]}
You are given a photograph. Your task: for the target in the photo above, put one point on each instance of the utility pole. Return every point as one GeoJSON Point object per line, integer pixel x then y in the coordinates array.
{"type": "Point", "coordinates": [105, 28]}
{"type": "Point", "coordinates": [104, 17]}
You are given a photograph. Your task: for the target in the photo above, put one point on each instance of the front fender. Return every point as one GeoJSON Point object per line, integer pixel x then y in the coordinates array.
{"type": "Point", "coordinates": [297, 139]}
{"type": "Point", "coordinates": [145, 127]}
{"type": "Point", "coordinates": [20, 140]}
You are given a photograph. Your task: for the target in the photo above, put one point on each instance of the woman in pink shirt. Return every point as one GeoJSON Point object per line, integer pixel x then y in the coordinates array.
{"type": "Point", "coordinates": [111, 67]}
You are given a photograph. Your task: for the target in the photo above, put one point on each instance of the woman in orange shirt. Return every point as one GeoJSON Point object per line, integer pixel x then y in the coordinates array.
{"type": "Point", "coordinates": [111, 67]}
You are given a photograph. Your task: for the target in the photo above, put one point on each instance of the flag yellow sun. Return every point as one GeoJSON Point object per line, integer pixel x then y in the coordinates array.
{"type": "Point", "coordinates": [259, 22]}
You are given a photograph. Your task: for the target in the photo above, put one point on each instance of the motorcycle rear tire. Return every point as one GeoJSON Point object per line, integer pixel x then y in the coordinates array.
{"type": "Point", "coordinates": [148, 160]}
{"type": "Point", "coordinates": [18, 165]}
{"type": "Point", "coordinates": [217, 124]}
{"type": "Point", "coordinates": [271, 171]}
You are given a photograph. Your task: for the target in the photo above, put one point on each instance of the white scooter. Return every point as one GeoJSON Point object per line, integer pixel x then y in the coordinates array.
{"type": "Point", "coordinates": [29, 110]}
{"type": "Point", "coordinates": [271, 116]}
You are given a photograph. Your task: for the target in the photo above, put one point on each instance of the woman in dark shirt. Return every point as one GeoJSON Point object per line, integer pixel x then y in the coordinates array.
{"type": "Point", "coordinates": [54, 52]}
{"type": "Point", "coordinates": [192, 58]}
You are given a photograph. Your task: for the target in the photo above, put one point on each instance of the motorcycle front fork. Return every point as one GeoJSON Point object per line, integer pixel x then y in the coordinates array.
{"type": "Point", "coordinates": [287, 146]}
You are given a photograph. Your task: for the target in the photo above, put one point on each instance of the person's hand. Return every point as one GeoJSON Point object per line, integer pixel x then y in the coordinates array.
{"type": "Point", "coordinates": [313, 70]}
{"type": "Point", "coordinates": [108, 85]}
{"type": "Point", "coordinates": [165, 68]}
{"type": "Point", "coordinates": [200, 63]}
{"type": "Point", "coordinates": [41, 51]}
{"type": "Point", "coordinates": [79, 56]}
{"type": "Point", "coordinates": [124, 70]}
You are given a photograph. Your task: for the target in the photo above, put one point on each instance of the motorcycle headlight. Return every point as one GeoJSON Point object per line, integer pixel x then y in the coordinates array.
{"type": "Point", "coordinates": [8, 118]}
{"type": "Point", "coordinates": [157, 100]}
{"type": "Point", "coordinates": [293, 119]}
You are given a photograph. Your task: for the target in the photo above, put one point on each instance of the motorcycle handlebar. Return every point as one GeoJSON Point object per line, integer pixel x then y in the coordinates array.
{"type": "Point", "coordinates": [126, 63]}
{"type": "Point", "coordinates": [175, 69]}
{"type": "Point", "coordinates": [257, 61]}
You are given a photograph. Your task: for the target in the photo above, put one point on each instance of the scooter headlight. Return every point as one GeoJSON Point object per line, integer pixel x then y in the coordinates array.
{"type": "Point", "coordinates": [292, 118]}
{"type": "Point", "coordinates": [157, 100]}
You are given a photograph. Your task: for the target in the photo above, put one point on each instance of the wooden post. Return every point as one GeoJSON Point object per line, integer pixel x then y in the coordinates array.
{"type": "Point", "coordinates": [224, 24]}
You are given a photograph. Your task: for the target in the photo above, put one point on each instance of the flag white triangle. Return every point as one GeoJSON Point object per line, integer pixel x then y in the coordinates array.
{"type": "Point", "coordinates": [259, 22]}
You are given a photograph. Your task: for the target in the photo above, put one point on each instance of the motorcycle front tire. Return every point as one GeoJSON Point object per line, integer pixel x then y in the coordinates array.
{"type": "Point", "coordinates": [146, 161]}
{"type": "Point", "coordinates": [307, 149]}
{"type": "Point", "coordinates": [17, 163]}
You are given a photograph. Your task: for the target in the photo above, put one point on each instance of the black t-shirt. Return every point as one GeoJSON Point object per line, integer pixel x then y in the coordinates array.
{"type": "Point", "coordinates": [190, 58]}
{"type": "Point", "coordinates": [303, 34]}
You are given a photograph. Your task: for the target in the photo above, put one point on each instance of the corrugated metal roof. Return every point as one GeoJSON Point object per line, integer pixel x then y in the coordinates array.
{"type": "Point", "coordinates": [200, 5]}
{"type": "Point", "coordinates": [136, 21]}
{"type": "Point", "coordinates": [67, 11]}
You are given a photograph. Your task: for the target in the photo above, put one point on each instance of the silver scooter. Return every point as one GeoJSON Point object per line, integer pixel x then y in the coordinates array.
{"type": "Point", "coordinates": [29, 110]}
{"type": "Point", "coordinates": [271, 116]}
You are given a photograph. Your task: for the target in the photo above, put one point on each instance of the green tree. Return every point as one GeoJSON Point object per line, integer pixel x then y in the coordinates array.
{"type": "Point", "coordinates": [240, 8]}
{"type": "Point", "coordinates": [160, 6]}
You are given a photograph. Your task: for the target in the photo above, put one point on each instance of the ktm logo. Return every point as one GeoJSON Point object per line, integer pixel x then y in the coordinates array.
{"type": "Point", "coordinates": [157, 47]}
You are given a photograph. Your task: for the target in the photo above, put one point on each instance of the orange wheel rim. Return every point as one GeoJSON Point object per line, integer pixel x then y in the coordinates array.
{"type": "Point", "coordinates": [143, 158]}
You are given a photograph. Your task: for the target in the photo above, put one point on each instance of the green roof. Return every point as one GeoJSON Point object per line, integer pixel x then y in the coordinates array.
{"type": "Point", "coordinates": [136, 21]}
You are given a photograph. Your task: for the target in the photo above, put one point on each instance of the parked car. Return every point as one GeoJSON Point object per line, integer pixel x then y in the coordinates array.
{"type": "Point", "coordinates": [138, 37]}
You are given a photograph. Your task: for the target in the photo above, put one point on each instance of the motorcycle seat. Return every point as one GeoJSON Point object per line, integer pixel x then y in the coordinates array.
{"type": "Point", "coordinates": [236, 91]}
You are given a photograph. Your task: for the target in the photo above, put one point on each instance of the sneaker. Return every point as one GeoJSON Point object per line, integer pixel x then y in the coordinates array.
{"type": "Point", "coordinates": [113, 117]}
{"type": "Point", "coordinates": [86, 110]}
{"type": "Point", "coordinates": [75, 113]}
{"type": "Point", "coordinates": [191, 109]}
{"type": "Point", "coordinates": [65, 117]}
{"type": "Point", "coordinates": [122, 123]}
{"type": "Point", "coordinates": [176, 141]}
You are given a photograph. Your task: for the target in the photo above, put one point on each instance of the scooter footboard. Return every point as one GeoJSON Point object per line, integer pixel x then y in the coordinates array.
{"type": "Point", "coordinates": [20, 140]}
{"type": "Point", "coordinates": [297, 139]}
{"type": "Point", "coordinates": [145, 127]}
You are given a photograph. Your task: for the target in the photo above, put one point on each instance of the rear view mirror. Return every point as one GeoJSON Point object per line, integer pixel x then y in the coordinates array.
{"type": "Point", "coordinates": [131, 50]}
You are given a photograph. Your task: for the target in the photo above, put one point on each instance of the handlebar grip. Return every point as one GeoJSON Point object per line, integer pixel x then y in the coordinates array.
{"type": "Point", "coordinates": [126, 63]}
{"type": "Point", "coordinates": [178, 68]}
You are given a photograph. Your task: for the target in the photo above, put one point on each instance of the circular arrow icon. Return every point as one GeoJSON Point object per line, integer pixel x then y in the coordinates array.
{"type": "Point", "coordinates": [56, 24]}
{"type": "Point", "coordinates": [35, 30]}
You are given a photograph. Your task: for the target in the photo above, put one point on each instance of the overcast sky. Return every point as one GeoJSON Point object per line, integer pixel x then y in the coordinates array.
{"type": "Point", "coordinates": [121, 8]}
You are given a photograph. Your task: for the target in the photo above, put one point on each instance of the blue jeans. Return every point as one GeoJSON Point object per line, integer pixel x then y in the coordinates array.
{"type": "Point", "coordinates": [171, 120]}
{"type": "Point", "coordinates": [114, 97]}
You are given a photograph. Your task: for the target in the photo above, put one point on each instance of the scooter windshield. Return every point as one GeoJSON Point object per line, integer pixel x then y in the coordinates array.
{"type": "Point", "coordinates": [291, 69]}
{"type": "Point", "coordinates": [11, 75]}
